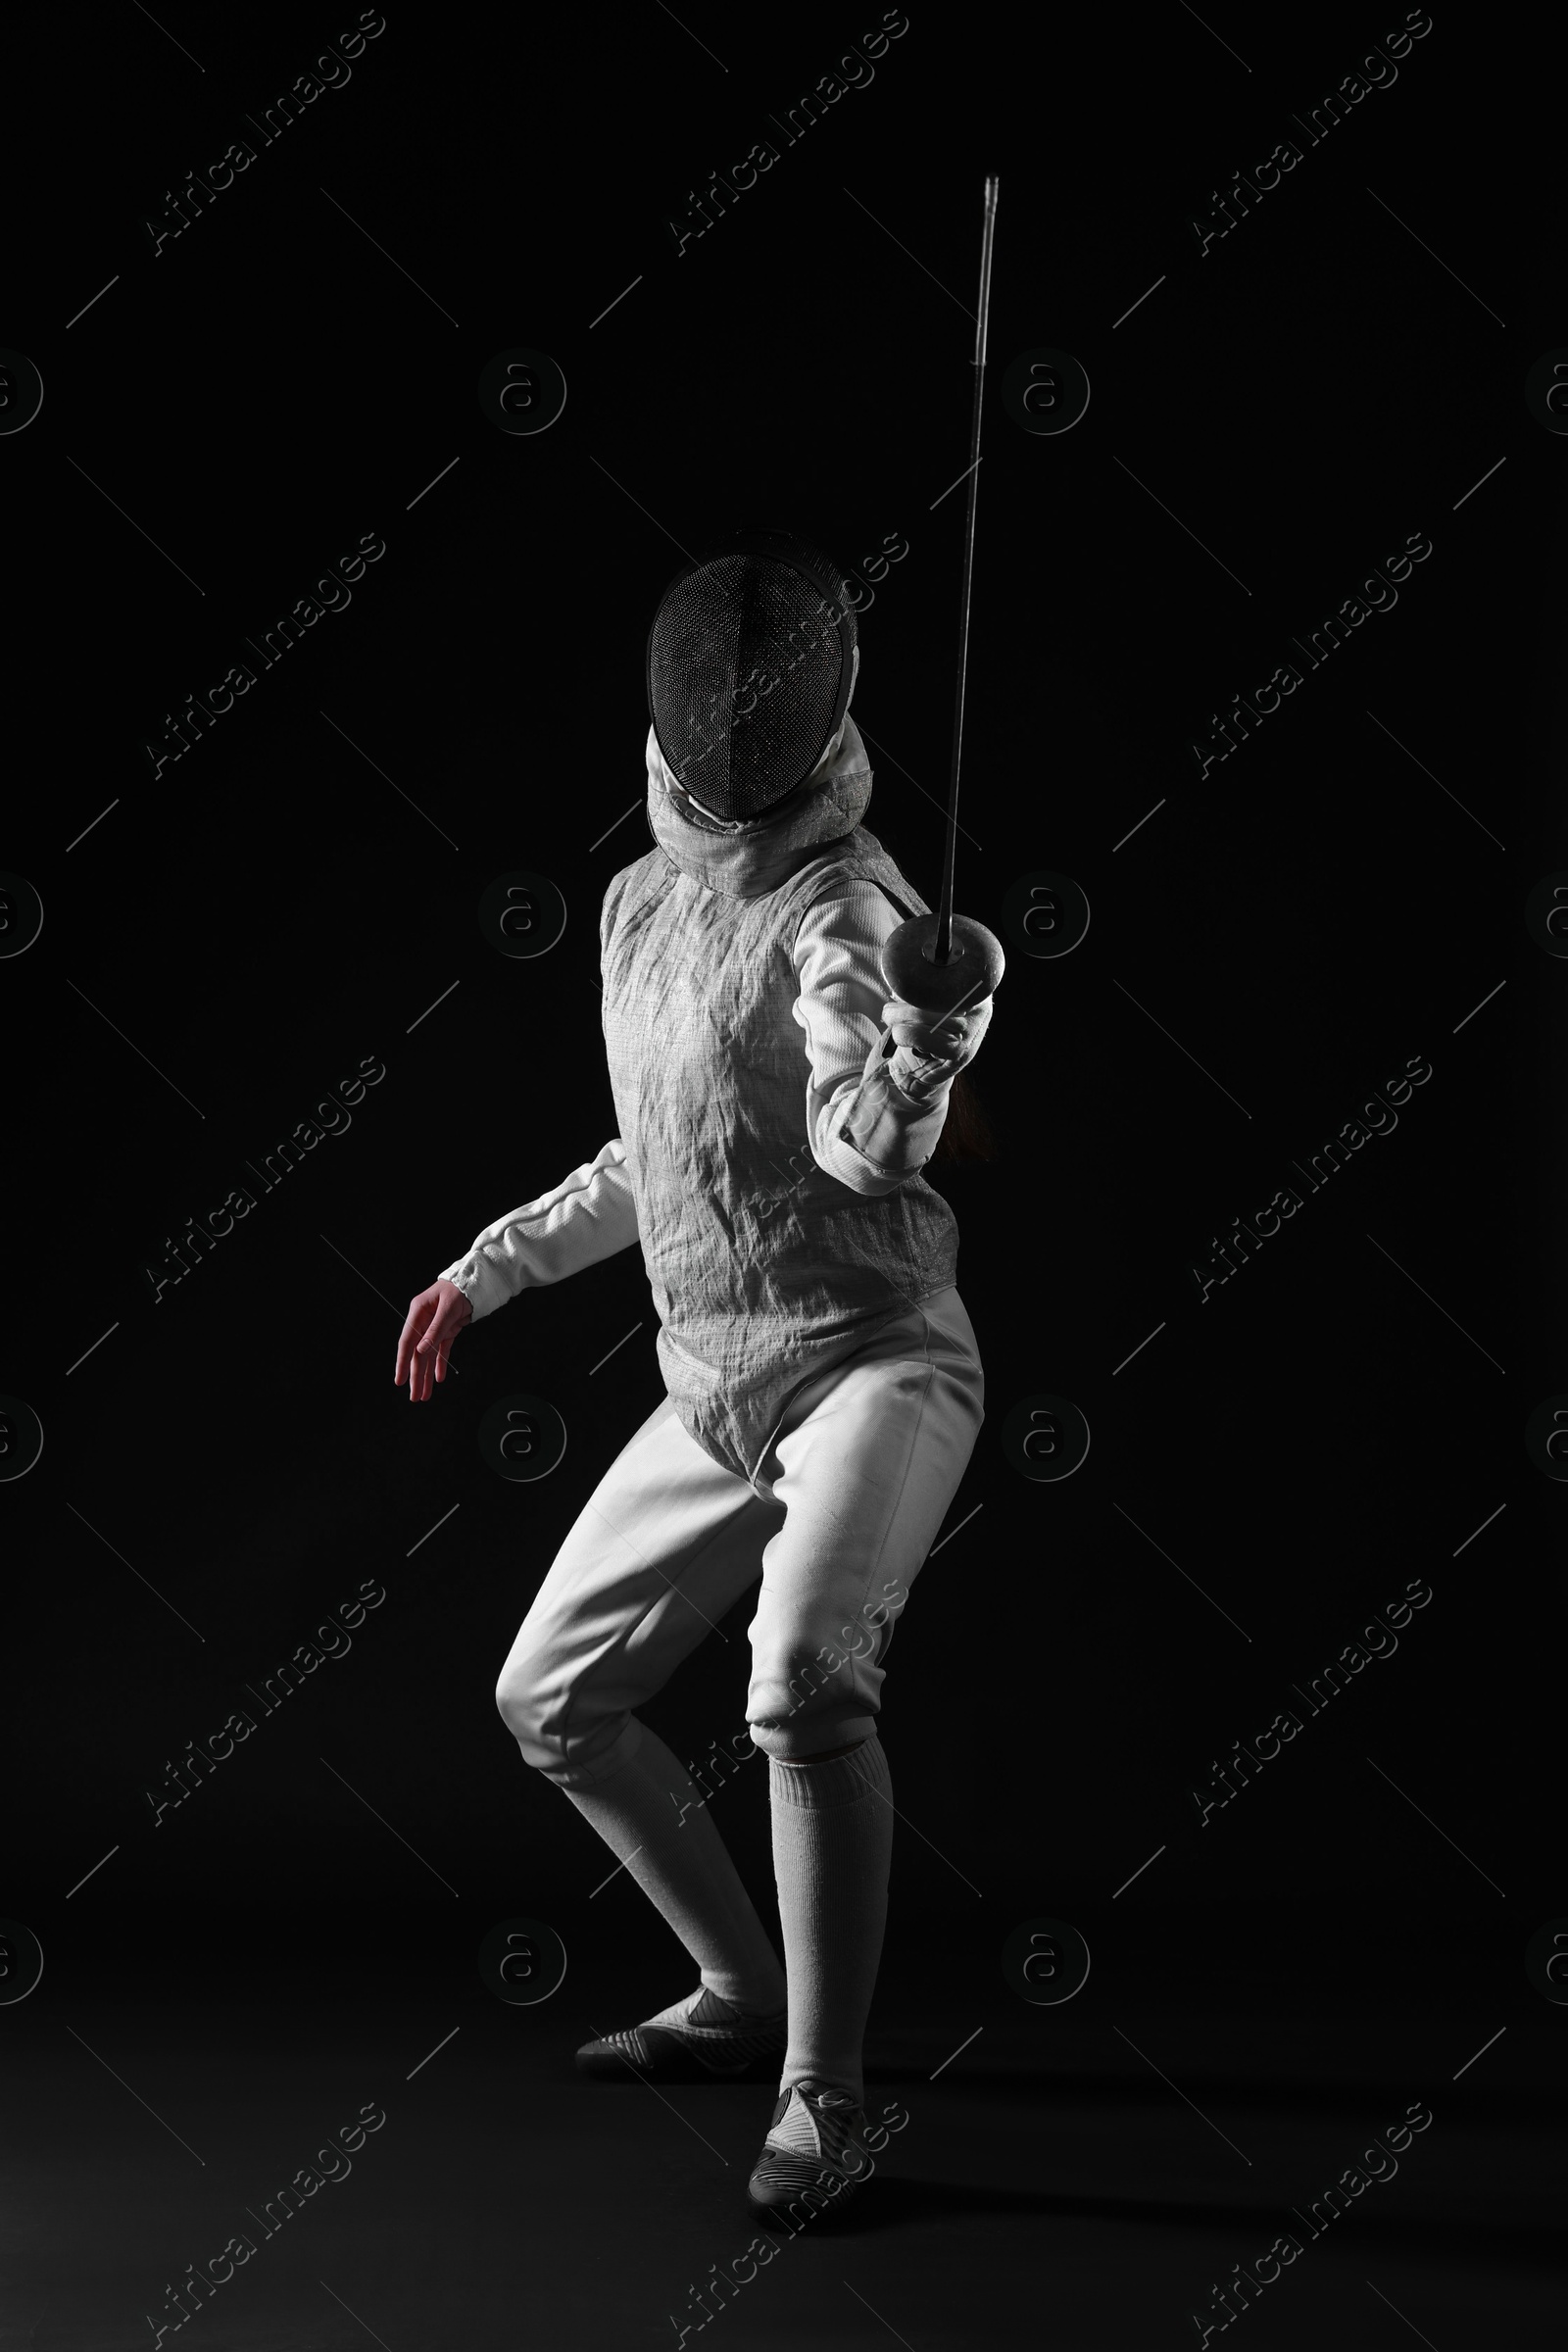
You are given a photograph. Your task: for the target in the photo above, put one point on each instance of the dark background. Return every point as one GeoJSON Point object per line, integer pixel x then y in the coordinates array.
{"type": "Point", "coordinates": [230, 940]}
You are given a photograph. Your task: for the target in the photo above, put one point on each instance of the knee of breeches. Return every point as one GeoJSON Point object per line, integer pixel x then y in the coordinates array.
{"type": "Point", "coordinates": [521, 1701]}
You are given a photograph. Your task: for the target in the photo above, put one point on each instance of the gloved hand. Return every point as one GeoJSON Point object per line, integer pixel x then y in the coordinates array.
{"type": "Point", "coordinates": [928, 1049]}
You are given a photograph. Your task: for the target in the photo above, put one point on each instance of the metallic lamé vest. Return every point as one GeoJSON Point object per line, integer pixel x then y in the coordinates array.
{"type": "Point", "coordinates": [764, 1269]}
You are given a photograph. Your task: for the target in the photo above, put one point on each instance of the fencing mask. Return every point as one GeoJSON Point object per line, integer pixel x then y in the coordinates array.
{"type": "Point", "coordinates": [751, 660]}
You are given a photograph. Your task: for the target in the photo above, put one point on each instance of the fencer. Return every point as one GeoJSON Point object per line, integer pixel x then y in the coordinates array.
{"type": "Point", "coordinates": [823, 1384]}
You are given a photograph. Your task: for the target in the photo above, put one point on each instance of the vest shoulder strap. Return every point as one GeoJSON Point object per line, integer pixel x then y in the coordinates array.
{"type": "Point", "coordinates": [634, 885]}
{"type": "Point", "coordinates": [860, 856]}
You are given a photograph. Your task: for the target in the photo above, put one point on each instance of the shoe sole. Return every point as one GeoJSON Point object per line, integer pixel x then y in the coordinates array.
{"type": "Point", "coordinates": [776, 2197]}
{"type": "Point", "coordinates": [611, 2067]}
{"type": "Point", "coordinates": [670, 2059]}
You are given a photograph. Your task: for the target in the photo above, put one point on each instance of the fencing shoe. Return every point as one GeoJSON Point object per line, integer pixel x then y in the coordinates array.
{"type": "Point", "coordinates": [699, 2040]}
{"type": "Point", "coordinates": [815, 2151]}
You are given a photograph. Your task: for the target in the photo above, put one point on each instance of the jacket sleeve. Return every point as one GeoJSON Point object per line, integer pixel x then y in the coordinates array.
{"type": "Point", "coordinates": [873, 1117]}
{"type": "Point", "coordinates": [589, 1215]}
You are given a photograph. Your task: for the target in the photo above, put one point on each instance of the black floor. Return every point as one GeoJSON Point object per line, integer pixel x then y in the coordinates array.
{"type": "Point", "coordinates": [1079, 2177]}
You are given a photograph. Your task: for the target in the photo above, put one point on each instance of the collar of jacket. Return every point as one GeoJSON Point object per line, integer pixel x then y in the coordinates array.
{"type": "Point", "coordinates": [748, 860]}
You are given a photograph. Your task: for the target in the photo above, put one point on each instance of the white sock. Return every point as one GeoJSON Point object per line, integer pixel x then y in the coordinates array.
{"type": "Point", "coordinates": [832, 1847]}
{"type": "Point", "coordinates": [683, 1866]}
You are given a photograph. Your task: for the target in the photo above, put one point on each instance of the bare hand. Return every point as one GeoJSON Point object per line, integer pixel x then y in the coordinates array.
{"type": "Point", "coordinates": [435, 1318]}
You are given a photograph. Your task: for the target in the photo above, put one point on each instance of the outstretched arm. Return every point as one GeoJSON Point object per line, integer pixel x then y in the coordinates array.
{"type": "Point", "coordinates": [874, 1115]}
{"type": "Point", "coordinates": [589, 1215]}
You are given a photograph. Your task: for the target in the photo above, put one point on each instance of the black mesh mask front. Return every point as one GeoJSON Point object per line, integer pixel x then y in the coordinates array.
{"type": "Point", "coordinates": [749, 663]}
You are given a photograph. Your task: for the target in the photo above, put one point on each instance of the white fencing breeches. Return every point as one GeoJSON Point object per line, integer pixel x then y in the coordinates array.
{"type": "Point", "coordinates": [844, 1509]}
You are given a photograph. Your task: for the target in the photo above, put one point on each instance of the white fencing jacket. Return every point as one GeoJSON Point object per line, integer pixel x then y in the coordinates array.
{"type": "Point", "coordinates": [771, 1149]}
